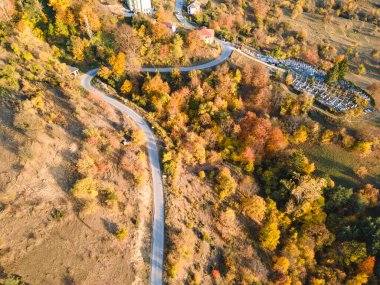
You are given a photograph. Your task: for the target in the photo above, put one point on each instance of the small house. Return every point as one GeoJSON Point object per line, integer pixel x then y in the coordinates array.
{"type": "Point", "coordinates": [207, 35]}
{"type": "Point", "coordinates": [194, 8]}
{"type": "Point", "coordinates": [73, 71]}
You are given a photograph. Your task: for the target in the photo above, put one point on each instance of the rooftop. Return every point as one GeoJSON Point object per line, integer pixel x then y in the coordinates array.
{"type": "Point", "coordinates": [204, 32]}
{"type": "Point", "coordinates": [195, 3]}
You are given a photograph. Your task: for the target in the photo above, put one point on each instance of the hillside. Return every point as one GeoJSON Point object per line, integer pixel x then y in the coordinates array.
{"type": "Point", "coordinates": [238, 154]}
{"type": "Point", "coordinates": [54, 136]}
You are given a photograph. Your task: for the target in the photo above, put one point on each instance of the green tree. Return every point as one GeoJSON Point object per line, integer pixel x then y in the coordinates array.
{"type": "Point", "coordinates": [343, 68]}
{"type": "Point", "coordinates": [337, 198]}
{"type": "Point", "coordinates": [333, 74]}
{"type": "Point", "coordinates": [353, 252]}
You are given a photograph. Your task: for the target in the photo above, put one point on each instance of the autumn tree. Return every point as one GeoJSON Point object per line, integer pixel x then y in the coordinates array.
{"type": "Point", "coordinates": [269, 233]}
{"type": "Point", "coordinates": [161, 32]}
{"type": "Point", "coordinates": [367, 265]}
{"type": "Point", "coordinates": [126, 88]}
{"type": "Point", "coordinates": [225, 183]}
{"type": "Point", "coordinates": [353, 252]}
{"type": "Point", "coordinates": [89, 20]}
{"type": "Point", "coordinates": [254, 208]}
{"type": "Point", "coordinates": [276, 141]}
{"type": "Point", "coordinates": [261, 8]}
{"type": "Point", "coordinates": [300, 135]}
{"type": "Point", "coordinates": [370, 195]}
{"type": "Point", "coordinates": [79, 47]}
{"type": "Point", "coordinates": [300, 163]}
{"type": "Point", "coordinates": [60, 6]}
{"type": "Point", "coordinates": [177, 46]}
{"type": "Point", "coordinates": [157, 91]}
{"type": "Point", "coordinates": [126, 40]}
{"type": "Point", "coordinates": [256, 75]}
{"type": "Point", "coordinates": [117, 63]}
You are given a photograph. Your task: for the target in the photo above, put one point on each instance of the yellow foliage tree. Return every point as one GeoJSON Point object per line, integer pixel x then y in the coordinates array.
{"type": "Point", "coordinates": [270, 233]}
{"type": "Point", "coordinates": [254, 207]}
{"type": "Point", "coordinates": [126, 88]}
{"type": "Point", "coordinates": [300, 135]}
{"type": "Point", "coordinates": [281, 264]}
{"type": "Point", "coordinates": [86, 188]}
{"type": "Point", "coordinates": [117, 63]}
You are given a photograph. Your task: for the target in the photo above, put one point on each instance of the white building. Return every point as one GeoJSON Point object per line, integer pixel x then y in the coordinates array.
{"type": "Point", "coordinates": [194, 8]}
{"type": "Point", "coordinates": [142, 6]}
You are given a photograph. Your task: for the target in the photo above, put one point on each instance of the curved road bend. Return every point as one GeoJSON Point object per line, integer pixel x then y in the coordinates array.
{"type": "Point", "coordinates": [154, 161]}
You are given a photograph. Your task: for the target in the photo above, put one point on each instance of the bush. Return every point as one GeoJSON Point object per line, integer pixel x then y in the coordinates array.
{"type": "Point", "coordinates": [14, 280]}
{"type": "Point", "coordinates": [361, 69]}
{"type": "Point", "coordinates": [86, 188]}
{"type": "Point", "coordinates": [85, 165]}
{"type": "Point", "coordinates": [108, 196]}
{"type": "Point", "coordinates": [363, 147]}
{"type": "Point", "coordinates": [121, 233]}
{"type": "Point", "coordinates": [57, 215]}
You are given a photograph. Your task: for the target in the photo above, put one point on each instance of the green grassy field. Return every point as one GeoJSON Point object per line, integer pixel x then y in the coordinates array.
{"type": "Point", "coordinates": [341, 164]}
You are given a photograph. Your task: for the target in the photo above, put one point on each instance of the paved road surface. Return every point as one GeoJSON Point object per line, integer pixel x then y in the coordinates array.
{"type": "Point", "coordinates": [158, 193]}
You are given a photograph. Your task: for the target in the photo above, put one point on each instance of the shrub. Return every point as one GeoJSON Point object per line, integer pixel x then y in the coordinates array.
{"type": "Point", "coordinates": [92, 133]}
{"type": "Point", "coordinates": [172, 269]}
{"type": "Point", "coordinates": [363, 147]}
{"type": "Point", "coordinates": [108, 196]}
{"type": "Point", "coordinates": [121, 233]}
{"type": "Point", "coordinates": [57, 215]}
{"type": "Point", "coordinates": [327, 136]}
{"type": "Point", "coordinates": [14, 280]}
{"type": "Point", "coordinates": [202, 174]}
{"type": "Point", "coordinates": [361, 69]}
{"type": "Point", "coordinates": [86, 188]}
{"type": "Point", "coordinates": [85, 165]}
{"type": "Point", "coordinates": [25, 153]}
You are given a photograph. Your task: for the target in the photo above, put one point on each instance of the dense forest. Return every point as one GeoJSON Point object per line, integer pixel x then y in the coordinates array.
{"type": "Point", "coordinates": [241, 186]}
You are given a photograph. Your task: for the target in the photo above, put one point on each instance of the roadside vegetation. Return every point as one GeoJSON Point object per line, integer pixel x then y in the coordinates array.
{"type": "Point", "coordinates": [245, 144]}
{"type": "Point", "coordinates": [258, 188]}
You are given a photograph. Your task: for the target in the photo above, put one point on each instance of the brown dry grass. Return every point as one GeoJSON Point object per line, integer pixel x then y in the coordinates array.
{"type": "Point", "coordinates": [80, 249]}
{"type": "Point", "coordinates": [343, 34]}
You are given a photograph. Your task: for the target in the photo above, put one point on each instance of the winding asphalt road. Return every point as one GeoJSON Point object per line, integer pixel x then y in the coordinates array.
{"type": "Point", "coordinates": [154, 161]}
{"type": "Point", "coordinates": [158, 193]}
